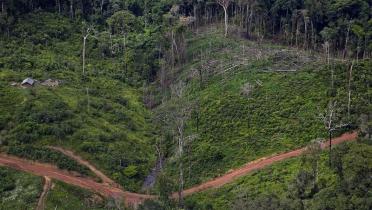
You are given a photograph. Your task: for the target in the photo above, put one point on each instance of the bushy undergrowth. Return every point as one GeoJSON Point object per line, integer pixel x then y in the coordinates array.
{"type": "Point", "coordinates": [249, 111]}
{"type": "Point", "coordinates": [77, 198]}
{"type": "Point", "coordinates": [99, 115]}
{"type": "Point", "coordinates": [49, 156]}
{"type": "Point", "coordinates": [345, 185]}
{"type": "Point", "coordinates": [18, 190]}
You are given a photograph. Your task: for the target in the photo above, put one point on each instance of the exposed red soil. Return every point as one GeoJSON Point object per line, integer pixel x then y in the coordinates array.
{"type": "Point", "coordinates": [67, 177]}
{"type": "Point", "coordinates": [134, 199]}
{"type": "Point", "coordinates": [259, 164]}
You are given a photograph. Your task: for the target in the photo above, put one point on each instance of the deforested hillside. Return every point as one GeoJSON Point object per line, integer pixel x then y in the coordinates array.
{"type": "Point", "coordinates": [95, 113]}
{"type": "Point", "coordinates": [252, 100]}
{"type": "Point", "coordinates": [140, 102]}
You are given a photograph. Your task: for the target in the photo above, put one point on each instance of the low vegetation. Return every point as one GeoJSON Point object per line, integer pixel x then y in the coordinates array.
{"type": "Point", "coordinates": [77, 198]}
{"type": "Point", "coordinates": [157, 84]}
{"type": "Point", "coordinates": [96, 115]}
{"type": "Point", "coordinates": [241, 114]}
{"type": "Point", "coordinates": [49, 156]}
{"type": "Point", "coordinates": [292, 185]}
{"type": "Point", "coordinates": [18, 190]}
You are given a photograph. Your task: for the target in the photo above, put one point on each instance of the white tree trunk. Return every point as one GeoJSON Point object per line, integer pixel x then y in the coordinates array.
{"type": "Point", "coordinates": [72, 9]}
{"type": "Point", "coordinates": [226, 21]}
{"type": "Point", "coordinates": [349, 95]}
{"type": "Point", "coordinates": [347, 41]}
{"type": "Point", "coordinates": [84, 44]}
{"type": "Point", "coordinates": [180, 153]}
{"type": "Point", "coordinates": [102, 1]}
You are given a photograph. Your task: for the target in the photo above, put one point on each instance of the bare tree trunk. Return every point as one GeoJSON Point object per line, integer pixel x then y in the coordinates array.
{"type": "Point", "coordinates": [349, 95]}
{"type": "Point", "coordinates": [225, 4]}
{"type": "Point", "coordinates": [72, 9]}
{"type": "Point", "coordinates": [172, 50]}
{"type": "Point", "coordinates": [85, 37]}
{"type": "Point", "coordinates": [102, 1]}
{"type": "Point", "coordinates": [312, 35]}
{"type": "Point", "coordinates": [84, 44]}
{"type": "Point", "coordinates": [346, 40]}
{"type": "Point", "coordinates": [58, 5]}
{"type": "Point", "coordinates": [297, 32]}
{"type": "Point", "coordinates": [305, 39]}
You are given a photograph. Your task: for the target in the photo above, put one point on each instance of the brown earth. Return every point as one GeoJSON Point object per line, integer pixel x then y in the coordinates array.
{"type": "Point", "coordinates": [133, 199]}
{"type": "Point", "coordinates": [259, 164]}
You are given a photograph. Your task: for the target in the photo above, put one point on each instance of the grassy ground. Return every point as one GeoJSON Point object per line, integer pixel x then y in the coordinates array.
{"type": "Point", "coordinates": [77, 198]}
{"type": "Point", "coordinates": [278, 182]}
{"type": "Point", "coordinates": [18, 190]}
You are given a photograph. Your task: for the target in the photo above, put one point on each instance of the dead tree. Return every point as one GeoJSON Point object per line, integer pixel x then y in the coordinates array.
{"type": "Point", "coordinates": [72, 9]}
{"type": "Point", "coordinates": [85, 37]}
{"type": "Point", "coordinates": [346, 41]}
{"type": "Point", "coordinates": [101, 7]}
{"type": "Point", "coordinates": [180, 116]}
{"type": "Point", "coordinates": [89, 32]}
{"type": "Point", "coordinates": [179, 112]}
{"type": "Point", "coordinates": [2, 7]}
{"type": "Point", "coordinates": [349, 92]}
{"type": "Point", "coordinates": [332, 122]}
{"type": "Point", "coordinates": [225, 5]}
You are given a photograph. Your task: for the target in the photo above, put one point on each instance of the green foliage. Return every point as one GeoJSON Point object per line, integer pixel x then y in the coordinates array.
{"type": "Point", "coordinates": [99, 116]}
{"type": "Point", "coordinates": [280, 113]}
{"type": "Point", "coordinates": [18, 190]}
{"type": "Point", "coordinates": [48, 156]}
{"type": "Point", "coordinates": [123, 22]}
{"type": "Point", "coordinates": [64, 196]}
{"type": "Point", "coordinates": [275, 188]}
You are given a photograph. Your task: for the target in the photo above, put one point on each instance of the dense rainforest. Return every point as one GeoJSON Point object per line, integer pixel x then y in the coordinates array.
{"type": "Point", "coordinates": [162, 95]}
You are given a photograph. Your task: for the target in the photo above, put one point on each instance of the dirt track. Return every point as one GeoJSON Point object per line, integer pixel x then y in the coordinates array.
{"type": "Point", "coordinates": [259, 164]}
{"type": "Point", "coordinates": [83, 162]}
{"type": "Point", "coordinates": [133, 198]}
{"type": "Point", "coordinates": [58, 174]}
{"type": "Point", "coordinates": [46, 188]}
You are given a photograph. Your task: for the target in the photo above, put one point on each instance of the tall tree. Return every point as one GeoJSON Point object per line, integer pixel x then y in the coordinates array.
{"type": "Point", "coordinates": [225, 5]}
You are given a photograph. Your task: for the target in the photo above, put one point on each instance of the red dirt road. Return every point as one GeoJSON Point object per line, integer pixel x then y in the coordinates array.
{"type": "Point", "coordinates": [259, 164]}
{"type": "Point", "coordinates": [64, 176]}
{"type": "Point", "coordinates": [134, 199]}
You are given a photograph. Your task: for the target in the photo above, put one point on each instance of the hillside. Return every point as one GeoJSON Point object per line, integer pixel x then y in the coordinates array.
{"type": "Point", "coordinates": [264, 105]}
{"type": "Point", "coordinates": [137, 101]}
{"type": "Point", "coordinates": [96, 115]}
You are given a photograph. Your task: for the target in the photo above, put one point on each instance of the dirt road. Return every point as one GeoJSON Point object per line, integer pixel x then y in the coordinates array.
{"type": "Point", "coordinates": [46, 188]}
{"type": "Point", "coordinates": [259, 164]}
{"type": "Point", "coordinates": [133, 198]}
{"type": "Point", "coordinates": [64, 176]}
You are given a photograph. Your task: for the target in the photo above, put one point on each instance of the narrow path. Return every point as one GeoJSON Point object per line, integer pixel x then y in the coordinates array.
{"type": "Point", "coordinates": [46, 188]}
{"type": "Point", "coordinates": [98, 173]}
{"type": "Point", "coordinates": [133, 199]}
